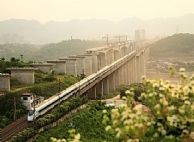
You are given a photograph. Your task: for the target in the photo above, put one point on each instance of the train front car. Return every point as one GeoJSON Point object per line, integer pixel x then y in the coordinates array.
{"type": "Point", "coordinates": [31, 115]}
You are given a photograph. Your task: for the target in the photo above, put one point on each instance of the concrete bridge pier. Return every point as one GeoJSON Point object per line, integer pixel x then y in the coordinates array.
{"type": "Point", "coordinates": [117, 78]}
{"type": "Point", "coordinates": [94, 62]}
{"type": "Point", "coordinates": [5, 82]}
{"type": "Point", "coordinates": [129, 72]}
{"type": "Point", "coordinates": [106, 85]}
{"type": "Point", "coordinates": [59, 66]}
{"type": "Point", "coordinates": [80, 64]}
{"type": "Point", "coordinates": [111, 82]}
{"type": "Point", "coordinates": [101, 60]}
{"type": "Point", "coordinates": [135, 69]}
{"type": "Point", "coordinates": [116, 55]}
{"type": "Point", "coordinates": [88, 64]}
{"type": "Point", "coordinates": [99, 88]}
{"type": "Point", "coordinates": [125, 75]}
{"type": "Point", "coordinates": [91, 93]}
{"type": "Point", "coordinates": [23, 75]}
{"type": "Point", "coordinates": [71, 66]}
{"type": "Point", "coordinates": [109, 56]}
{"type": "Point", "coordinates": [146, 58]}
{"type": "Point", "coordinates": [138, 68]}
{"type": "Point", "coordinates": [120, 75]}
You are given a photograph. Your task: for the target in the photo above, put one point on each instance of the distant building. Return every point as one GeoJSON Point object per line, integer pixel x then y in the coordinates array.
{"type": "Point", "coordinates": [11, 39]}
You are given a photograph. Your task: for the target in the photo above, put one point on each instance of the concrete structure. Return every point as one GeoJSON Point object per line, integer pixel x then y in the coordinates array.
{"type": "Point", "coordinates": [44, 67]}
{"type": "Point", "coordinates": [4, 82]}
{"type": "Point", "coordinates": [129, 71]}
{"type": "Point", "coordinates": [59, 66]}
{"type": "Point", "coordinates": [118, 64]}
{"type": "Point", "coordinates": [80, 63]}
{"type": "Point", "coordinates": [23, 75]}
{"type": "Point", "coordinates": [71, 64]}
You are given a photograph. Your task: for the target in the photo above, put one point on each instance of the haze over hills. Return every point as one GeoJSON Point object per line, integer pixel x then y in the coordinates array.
{"type": "Point", "coordinates": [53, 31]}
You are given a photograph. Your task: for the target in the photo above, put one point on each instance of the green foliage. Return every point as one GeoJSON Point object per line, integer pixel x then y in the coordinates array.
{"type": "Point", "coordinates": [81, 76]}
{"type": "Point", "coordinates": [14, 82]}
{"type": "Point", "coordinates": [52, 51]}
{"type": "Point", "coordinates": [87, 122]}
{"type": "Point", "coordinates": [7, 108]}
{"type": "Point", "coordinates": [138, 88]}
{"type": "Point", "coordinates": [60, 111]}
{"type": "Point", "coordinates": [178, 45]}
{"type": "Point", "coordinates": [49, 78]}
{"type": "Point", "coordinates": [55, 114]}
{"type": "Point", "coordinates": [23, 135]}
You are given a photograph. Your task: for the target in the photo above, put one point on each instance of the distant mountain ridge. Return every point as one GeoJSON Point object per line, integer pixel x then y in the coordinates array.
{"type": "Point", "coordinates": [53, 31]}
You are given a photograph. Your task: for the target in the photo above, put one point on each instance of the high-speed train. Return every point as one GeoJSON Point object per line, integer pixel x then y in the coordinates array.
{"type": "Point", "coordinates": [51, 102]}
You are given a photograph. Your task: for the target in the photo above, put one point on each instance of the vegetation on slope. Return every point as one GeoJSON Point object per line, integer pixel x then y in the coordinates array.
{"type": "Point", "coordinates": [46, 85]}
{"type": "Point", "coordinates": [88, 122]}
{"type": "Point", "coordinates": [52, 51]}
{"type": "Point", "coordinates": [168, 116]}
{"type": "Point", "coordinates": [178, 45]}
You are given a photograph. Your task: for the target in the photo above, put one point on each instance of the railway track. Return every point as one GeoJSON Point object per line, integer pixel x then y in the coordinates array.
{"type": "Point", "coordinates": [14, 128]}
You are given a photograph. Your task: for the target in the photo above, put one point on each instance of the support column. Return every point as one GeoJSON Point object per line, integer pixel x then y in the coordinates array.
{"type": "Point", "coordinates": [102, 62]}
{"type": "Point", "coordinates": [138, 68]}
{"type": "Point", "coordinates": [59, 66]}
{"type": "Point", "coordinates": [117, 78]}
{"type": "Point", "coordinates": [128, 73]}
{"type": "Point", "coordinates": [99, 88]}
{"type": "Point", "coordinates": [88, 64]}
{"type": "Point", "coordinates": [106, 85]}
{"type": "Point", "coordinates": [80, 65]}
{"type": "Point", "coordinates": [71, 66]}
{"type": "Point", "coordinates": [111, 82]}
{"type": "Point", "coordinates": [92, 93]}
{"type": "Point", "coordinates": [125, 74]}
{"type": "Point", "coordinates": [5, 82]}
{"type": "Point", "coordinates": [23, 75]}
{"type": "Point", "coordinates": [135, 69]}
{"type": "Point", "coordinates": [94, 62]}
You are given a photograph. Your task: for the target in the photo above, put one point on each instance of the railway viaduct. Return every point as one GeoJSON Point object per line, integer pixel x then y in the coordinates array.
{"type": "Point", "coordinates": [132, 54]}
{"type": "Point", "coordinates": [91, 62]}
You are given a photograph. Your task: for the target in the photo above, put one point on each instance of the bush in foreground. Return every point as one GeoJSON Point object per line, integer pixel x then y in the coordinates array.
{"type": "Point", "coordinates": [169, 116]}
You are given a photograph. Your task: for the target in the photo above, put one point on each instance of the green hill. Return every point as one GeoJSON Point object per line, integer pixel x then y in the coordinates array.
{"type": "Point", "coordinates": [176, 46]}
{"type": "Point", "coordinates": [52, 51]}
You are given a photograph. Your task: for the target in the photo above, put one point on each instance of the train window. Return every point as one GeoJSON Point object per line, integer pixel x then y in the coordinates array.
{"type": "Point", "coordinates": [25, 98]}
{"type": "Point", "coordinates": [31, 112]}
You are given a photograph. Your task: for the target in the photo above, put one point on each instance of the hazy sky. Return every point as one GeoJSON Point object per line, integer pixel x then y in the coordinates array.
{"type": "Point", "coordinates": [115, 10]}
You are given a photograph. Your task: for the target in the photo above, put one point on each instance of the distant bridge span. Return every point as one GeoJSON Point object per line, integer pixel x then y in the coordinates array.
{"type": "Point", "coordinates": [121, 64]}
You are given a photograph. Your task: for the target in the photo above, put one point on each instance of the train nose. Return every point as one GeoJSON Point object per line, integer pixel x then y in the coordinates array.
{"type": "Point", "coordinates": [30, 118]}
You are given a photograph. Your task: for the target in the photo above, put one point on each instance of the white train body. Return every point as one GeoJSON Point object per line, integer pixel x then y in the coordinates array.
{"type": "Point", "coordinates": [51, 102]}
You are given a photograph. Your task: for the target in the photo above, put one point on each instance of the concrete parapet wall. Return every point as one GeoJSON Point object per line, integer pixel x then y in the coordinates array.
{"type": "Point", "coordinates": [23, 75]}
{"type": "Point", "coordinates": [4, 82]}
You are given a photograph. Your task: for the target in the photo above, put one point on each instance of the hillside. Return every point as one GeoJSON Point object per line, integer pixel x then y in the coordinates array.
{"type": "Point", "coordinates": [177, 47]}
{"type": "Point", "coordinates": [52, 51]}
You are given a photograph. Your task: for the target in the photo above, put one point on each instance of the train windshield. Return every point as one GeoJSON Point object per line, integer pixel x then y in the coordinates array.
{"type": "Point", "coordinates": [31, 112]}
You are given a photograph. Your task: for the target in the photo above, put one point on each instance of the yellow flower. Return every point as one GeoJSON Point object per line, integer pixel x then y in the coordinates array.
{"type": "Point", "coordinates": [107, 128]}
{"type": "Point", "coordinates": [182, 69]}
